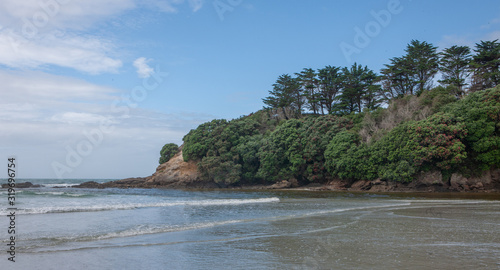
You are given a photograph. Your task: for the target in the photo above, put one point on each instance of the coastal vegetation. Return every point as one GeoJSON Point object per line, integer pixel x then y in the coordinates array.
{"type": "Point", "coordinates": [351, 123]}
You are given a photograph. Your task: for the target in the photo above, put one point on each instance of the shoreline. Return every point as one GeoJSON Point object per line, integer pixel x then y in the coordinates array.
{"type": "Point", "coordinates": [376, 187]}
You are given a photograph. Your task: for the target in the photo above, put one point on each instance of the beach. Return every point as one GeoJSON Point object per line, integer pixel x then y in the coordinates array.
{"type": "Point", "coordinates": [69, 228]}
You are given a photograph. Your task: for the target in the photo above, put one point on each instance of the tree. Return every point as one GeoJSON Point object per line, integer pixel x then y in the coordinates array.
{"type": "Point", "coordinates": [286, 93]}
{"type": "Point", "coordinates": [168, 151]}
{"type": "Point", "coordinates": [309, 82]}
{"type": "Point", "coordinates": [412, 73]}
{"type": "Point", "coordinates": [330, 85]}
{"type": "Point", "coordinates": [485, 65]}
{"type": "Point", "coordinates": [454, 65]}
{"type": "Point", "coordinates": [359, 89]}
{"type": "Point", "coordinates": [397, 78]}
{"type": "Point", "coordinates": [424, 60]}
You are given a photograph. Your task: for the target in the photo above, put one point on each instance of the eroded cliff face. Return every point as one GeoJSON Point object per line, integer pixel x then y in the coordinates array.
{"type": "Point", "coordinates": [177, 173]}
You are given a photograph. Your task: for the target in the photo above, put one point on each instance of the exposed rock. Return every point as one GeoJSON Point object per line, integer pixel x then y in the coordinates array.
{"type": "Point", "coordinates": [428, 179]}
{"type": "Point", "coordinates": [461, 183]}
{"type": "Point", "coordinates": [280, 185]}
{"type": "Point", "coordinates": [294, 182]}
{"type": "Point", "coordinates": [89, 184]}
{"type": "Point", "coordinates": [177, 173]}
{"type": "Point", "coordinates": [378, 182]}
{"type": "Point", "coordinates": [361, 185]}
{"type": "Point", "coordinates": [22, 185]}
{"type": "Point", "coordinates": [381, 186]}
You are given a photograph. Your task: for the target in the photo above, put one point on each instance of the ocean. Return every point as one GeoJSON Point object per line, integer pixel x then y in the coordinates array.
{"type": "Point", "coordinates": [70, 228]}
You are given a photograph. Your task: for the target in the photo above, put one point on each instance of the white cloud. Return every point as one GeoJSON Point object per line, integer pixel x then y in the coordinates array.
{"type": "Point", "coordinates": [59, 14]}
{"type": "Point", "coordinates": [196, 4]}
{"type": "Point", "coordinates": [143, 69]}
{"type": "Point", "coordinates": [87, 54]}
{"type": "Point", "coordinates": [171, 6]}
{"type": "Point", "coordinates": [467, 39]}
{"type": "Point", "coordinates": [44, 115]}
{"type": "Point", "coordinates": [43, 88]}
{"type": "Point", "coordinates": [491, 23]}
{"type": "Point", "coordinates": [37, 34]}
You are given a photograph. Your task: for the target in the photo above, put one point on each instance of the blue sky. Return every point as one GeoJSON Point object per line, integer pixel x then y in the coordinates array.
{"type": "Point", "coordinates": [95, 88]}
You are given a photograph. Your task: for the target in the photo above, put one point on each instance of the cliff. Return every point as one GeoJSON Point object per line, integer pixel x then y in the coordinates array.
{"type": "Point", "coordinates": [176, 173]}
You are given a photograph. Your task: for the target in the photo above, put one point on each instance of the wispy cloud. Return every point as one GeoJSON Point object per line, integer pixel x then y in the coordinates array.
{"type": "Point", "coordinates": [491, 23]}
{"type": "Point", "coordinates": [143, 69]}
{"type": "Point", "coordinates": [46, 114]}
{"type": "Point", "coordinates": [172, 6]}
{"type": "Point", "coordinates": [196, 4]}
{"type": "Point", "coordinates": [86, 54]}
{"type": "Point", "coordinates": [49, 15]}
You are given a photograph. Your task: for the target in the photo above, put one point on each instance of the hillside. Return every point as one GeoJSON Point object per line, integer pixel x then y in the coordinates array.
{"type": "Point", "coordinates": [429, 142]}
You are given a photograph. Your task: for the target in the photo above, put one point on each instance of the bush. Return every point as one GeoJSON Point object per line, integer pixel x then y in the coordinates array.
{"type": "Point", "coordinates": [168, 151]}
{"type": "Point", "coordinates": [296, 148]}
{"type": "Point", "coordinates": [480, 112]}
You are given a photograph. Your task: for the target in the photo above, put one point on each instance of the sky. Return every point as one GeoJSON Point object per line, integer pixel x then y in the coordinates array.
{"type": "Point", "coordinates": [93, 89]}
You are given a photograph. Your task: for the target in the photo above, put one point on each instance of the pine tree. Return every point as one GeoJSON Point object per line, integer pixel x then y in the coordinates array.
{"type": "Point", "coordinates": [309, 81]}
{"type": "Point", "coordinates": [485, 65]}
{"type": "Point", "coordinates": [330, 85]}
{"type": "Point", "coordinates": [454, 66]}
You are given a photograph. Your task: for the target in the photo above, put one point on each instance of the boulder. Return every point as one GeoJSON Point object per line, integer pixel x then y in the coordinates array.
{"type": "Point", "coordinates": [429, 179]}
{"type": "Point", "coordinates": [22, 185]}
{"type": "Point", "coordinates": [280, 185]}
{"type": "Point", "coordinates": [462, 183]}
{"type": "Point", "coordinates": [361, 185]}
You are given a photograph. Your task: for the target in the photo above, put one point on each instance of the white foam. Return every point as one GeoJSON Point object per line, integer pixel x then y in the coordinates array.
{"type": "Point", "coordinates": [61, 185]}
{"type": "Point", "coordinates": [90, 208]}
{"type": "Point", "coordinates": [163, 229]}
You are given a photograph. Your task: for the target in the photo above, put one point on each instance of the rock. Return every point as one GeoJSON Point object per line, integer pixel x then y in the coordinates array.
{"type": "Point", "coordinates": [361, 185]}
{"type": "Point", "coordinates": [89, 184]}
{"type": "Point", "coordinates": [177, 173]}
{"type": "Point", "coordinates": [378, 182]}
{"type": "Point", "coordinates": [294, 182]}
{"type": "Point", "coordinates": [428, 179]}
{"type": "Point", "coordinates": [22, 185]}
{"type": "Point", "coordinates": [280, 185]}
{"type": "Point", "coordinates": [461, 183]}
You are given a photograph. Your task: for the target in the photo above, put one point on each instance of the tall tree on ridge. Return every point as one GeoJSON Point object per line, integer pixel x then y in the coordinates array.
{"type": "Point", "coordinates": [454, 65]}
{"type": "Point", "coordinates": [397, 78]}
{"type": "Point", "coordinates": [284, 95]}
{"type": "Point", "coordinates": [485, 65]}
{"type": "Point", "coordinates": [330, 85]}
{"type": "Point", "coordinates": [424, 60]}
{"type": "Point", "coordinates": [359, 89]}
{"type": "Point", "coordinates": [413, 72]}
{"type": "Point", "coordinates": [309, 81]}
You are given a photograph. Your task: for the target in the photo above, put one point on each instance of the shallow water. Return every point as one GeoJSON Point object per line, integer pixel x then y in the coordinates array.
{"type": "Point", "coordinates": [170, 229]}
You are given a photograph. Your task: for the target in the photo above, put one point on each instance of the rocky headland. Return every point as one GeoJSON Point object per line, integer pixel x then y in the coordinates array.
{"type": "Point", "coordinates": [176, 173]}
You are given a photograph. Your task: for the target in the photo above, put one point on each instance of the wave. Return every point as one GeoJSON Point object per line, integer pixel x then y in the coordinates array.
{"type": "Point", "coordinates": [108, 207]}
{"type": "Point", "coordinates": [50, 193]}
{"type": "Point", "coordinates": [44, 242]}
{"type": "Point", "coordinates": [65, 185]}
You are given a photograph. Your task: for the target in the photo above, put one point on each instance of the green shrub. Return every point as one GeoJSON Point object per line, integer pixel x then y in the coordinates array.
{"type": "Point", "coordinates": [480, 112]}
{"type": "Point", "coordinates": [167, 152]}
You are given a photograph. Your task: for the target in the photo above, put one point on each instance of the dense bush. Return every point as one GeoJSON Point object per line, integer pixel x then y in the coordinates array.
{"type": "Point", "coordinates": [434, 131]}
{"type": "Point", "coordinates": [296, 148]}
{"type": "Point", "coordinates": [480, 112]}
{"type": "Point", "coordinates": [167, 152]}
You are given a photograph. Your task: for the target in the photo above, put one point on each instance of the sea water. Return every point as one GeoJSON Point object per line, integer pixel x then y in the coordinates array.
{"type": "Point", "coordinates": [61, 227]}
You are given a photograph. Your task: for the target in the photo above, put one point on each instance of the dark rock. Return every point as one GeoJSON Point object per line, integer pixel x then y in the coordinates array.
{"type": "Point", "coordinates": [428, 179]}
{"type": "Point", "coordinates": [280, 185]}
{"type": "Point", "coordinates": [361, 185]}
{"type": "Point", "coordinates": [22, 185]}
{"type": "Point", "coordinates": [89, 184]}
